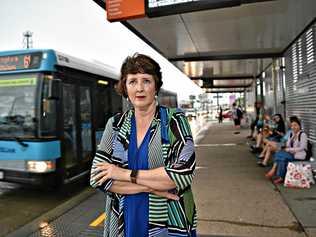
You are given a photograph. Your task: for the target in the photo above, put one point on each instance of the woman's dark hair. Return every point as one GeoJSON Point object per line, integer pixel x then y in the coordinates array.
{"type": "Point", "coordinates": [293, 117]}
{"type": "Point", "coordinates": [280, 124]}
{"type": "Point", "coordinates": [280, 116]}
{"type": "Point", "coordinates": [139, 63]}
{"type": "Point", "coordinates": [296, 120]}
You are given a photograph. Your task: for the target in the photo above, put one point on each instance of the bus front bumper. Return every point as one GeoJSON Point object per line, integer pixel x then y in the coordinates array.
{"type": "Point", "coordinates": [26, 177]}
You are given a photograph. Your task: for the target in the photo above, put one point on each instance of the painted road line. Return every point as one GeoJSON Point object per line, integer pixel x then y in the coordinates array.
{"type": "Point", "coordinates": [98, 221]}
{"type": "Point", "coordinates": [215, 145]}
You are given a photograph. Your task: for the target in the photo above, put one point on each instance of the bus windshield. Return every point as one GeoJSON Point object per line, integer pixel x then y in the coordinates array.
{"type": "Point", "coordinates": [17, 105]}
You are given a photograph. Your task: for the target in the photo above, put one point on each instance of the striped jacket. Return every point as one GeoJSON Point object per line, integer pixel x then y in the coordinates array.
{"type": "Point", "coordinates": [176, 154]}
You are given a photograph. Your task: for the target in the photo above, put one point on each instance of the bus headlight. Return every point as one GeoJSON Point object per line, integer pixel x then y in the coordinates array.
{"type": "Point", "coordinates": [41, 166]}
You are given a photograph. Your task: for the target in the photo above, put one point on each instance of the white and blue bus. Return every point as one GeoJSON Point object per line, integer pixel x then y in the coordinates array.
{"type": "Point", "coordinates": [53, 109]}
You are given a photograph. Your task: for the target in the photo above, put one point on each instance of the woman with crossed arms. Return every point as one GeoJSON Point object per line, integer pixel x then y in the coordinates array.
{"type": "Point", "coordinates": [145, 162]}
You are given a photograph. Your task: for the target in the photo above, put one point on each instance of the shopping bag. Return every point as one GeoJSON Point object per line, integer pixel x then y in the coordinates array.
{"type": "Point", "coordinates": [299, 175]}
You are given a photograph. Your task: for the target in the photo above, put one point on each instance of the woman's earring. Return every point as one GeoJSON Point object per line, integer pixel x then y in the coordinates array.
{"type": "Point", "coordinates": [156, 98]}
{"type": "Point", "coordinates": [129, 104]}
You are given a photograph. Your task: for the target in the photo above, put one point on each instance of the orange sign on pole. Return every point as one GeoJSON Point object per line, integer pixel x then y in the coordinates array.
{"type": "Point", "coordinates": [120, 10]}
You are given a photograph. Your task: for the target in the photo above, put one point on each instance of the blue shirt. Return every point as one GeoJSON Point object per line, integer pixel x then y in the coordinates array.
{"type": "Point", "coordinates": [136, 206]}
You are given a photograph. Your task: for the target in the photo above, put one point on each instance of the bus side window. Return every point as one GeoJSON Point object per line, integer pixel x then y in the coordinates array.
{"type": "Point", "coordinates": [85, 121]}
{"type": "Point", "coordinates": [103, 106]}
{"type": "Point", "coordinates": [116, 101]}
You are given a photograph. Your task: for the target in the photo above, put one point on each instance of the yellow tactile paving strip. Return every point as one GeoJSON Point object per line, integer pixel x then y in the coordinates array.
{"type": "Point", "coordinates": [99, 221]}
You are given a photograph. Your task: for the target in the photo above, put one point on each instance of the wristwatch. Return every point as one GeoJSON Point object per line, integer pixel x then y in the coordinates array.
{"type": "Point", "coordinates": [134, 176]}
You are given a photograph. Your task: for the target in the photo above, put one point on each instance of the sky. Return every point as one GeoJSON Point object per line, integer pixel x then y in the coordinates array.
{"type": "Point", "coordinates": [79, 28]}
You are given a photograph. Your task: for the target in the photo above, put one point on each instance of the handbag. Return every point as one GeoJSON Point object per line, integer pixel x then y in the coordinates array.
{"type": "Point", "coordinates": [299, 175]}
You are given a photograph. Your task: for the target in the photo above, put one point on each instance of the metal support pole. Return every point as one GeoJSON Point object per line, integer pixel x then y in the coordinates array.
{"type": "Point", "coordinates": [245, 98]}
{"type": "Point", "coordinates": [28, 42]}
{"type": "Point", "coordinates": [275, 79]}
{"type": "Point", "coordinates": [261, 90]}
{"type": "Point", "coordinates": [261, 83]}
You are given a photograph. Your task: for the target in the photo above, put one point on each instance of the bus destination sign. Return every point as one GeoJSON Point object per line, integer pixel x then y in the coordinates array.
{"type": "Point", "coordinates": [20, 62]}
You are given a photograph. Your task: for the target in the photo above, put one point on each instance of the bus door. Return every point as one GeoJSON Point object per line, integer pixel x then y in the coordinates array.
{"type": "Point", "coordinates": [70, 125]}
{"type": "Point", "coordinates": [86, 137]}
{"type": "Point", "coordinates": [77, 118]}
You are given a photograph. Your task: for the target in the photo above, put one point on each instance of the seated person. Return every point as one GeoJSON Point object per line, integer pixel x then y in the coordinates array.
{"type": "Point", "coordinates": [257, 121]}
{"type": "Point", "coordinates": [273, 145]}
{"type": "Point", "coordinates": [274, 130]}
{"type": "Point", "coordinates": [278, 128]}
{"type": "Point", "coordinates": [295, 150]}
{"type": "Point", "coordinates": [263, 132]}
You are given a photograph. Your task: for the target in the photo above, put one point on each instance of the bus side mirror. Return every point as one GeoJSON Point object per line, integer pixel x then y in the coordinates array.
{"type": "Point", "coordinates": [54, 91]}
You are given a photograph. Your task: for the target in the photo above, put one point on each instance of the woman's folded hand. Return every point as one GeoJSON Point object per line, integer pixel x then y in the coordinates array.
{"type": "Point", "coordinates": [166, 194]}
{"type": "Point", "coordinates": [109, 171]}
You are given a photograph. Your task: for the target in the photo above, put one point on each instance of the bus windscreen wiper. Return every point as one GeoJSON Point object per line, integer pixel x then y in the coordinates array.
{"type": "Point", "coordinates": [13, 104]}
{"type": "Point", "coordinates": [18, 140]}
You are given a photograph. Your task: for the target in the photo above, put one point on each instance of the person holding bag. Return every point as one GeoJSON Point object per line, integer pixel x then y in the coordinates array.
{"type": "Point", "coordinates": [295, 150]}
{"type": "Point", "coordinates": [145, 162]}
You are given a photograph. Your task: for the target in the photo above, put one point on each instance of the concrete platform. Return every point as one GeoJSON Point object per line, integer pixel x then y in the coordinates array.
{"type": "Point", "coordinates": [232, 195]}
{"type": "Point", "coordinates": [302, 203]}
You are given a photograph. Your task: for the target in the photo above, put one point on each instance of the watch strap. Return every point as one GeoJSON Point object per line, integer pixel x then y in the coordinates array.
{"type": "Point", "coordinates": [134, 176]}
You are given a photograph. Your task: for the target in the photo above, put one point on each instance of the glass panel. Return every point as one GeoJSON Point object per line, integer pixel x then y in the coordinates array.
{"type": "Point", "coordinates": [48, 122]}
{"type": "Point", "coordinates": [69, 105]}
{"type": "Point", "coordinates": [85, 115]}
{"type": "Point", "coordinates": [17, 105]}
{"type": "Point", "coordinates": [103, 106]}
{"type": "Point", "coordinates": [116, 102]}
